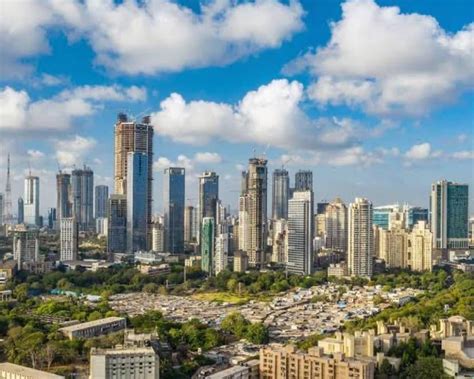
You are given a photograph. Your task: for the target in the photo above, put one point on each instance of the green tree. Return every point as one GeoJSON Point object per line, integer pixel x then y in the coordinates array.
{"type": "Point", "coordinates": [257, 333]}
{"type": "Point", "coordinates": [426, 368]}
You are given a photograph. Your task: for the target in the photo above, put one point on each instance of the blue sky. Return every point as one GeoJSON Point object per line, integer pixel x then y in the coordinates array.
{"type": "Point", "coordinates": [375, 97]}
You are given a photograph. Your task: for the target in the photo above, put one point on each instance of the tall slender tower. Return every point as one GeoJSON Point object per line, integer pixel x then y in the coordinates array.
{"type": "Point", "coordinates": [173, 204]}
{"type": "Point", "coordinates": [361, 238]}
{"type": "Point", "coordinates": [131, 136]}
{"type": "Point", "coordinates": [8, 216]}
{"type": "Point", "coordinates": [280, 192]}
{"type": "Point", "coordinates": [257, 209]}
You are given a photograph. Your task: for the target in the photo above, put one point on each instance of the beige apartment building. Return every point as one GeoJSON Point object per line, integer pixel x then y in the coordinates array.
{"type": "Point", "coordinates": [288, 363]}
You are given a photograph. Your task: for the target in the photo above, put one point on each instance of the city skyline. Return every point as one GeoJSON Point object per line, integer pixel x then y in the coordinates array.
{"type": "Point", "coordinates": [284, 92]}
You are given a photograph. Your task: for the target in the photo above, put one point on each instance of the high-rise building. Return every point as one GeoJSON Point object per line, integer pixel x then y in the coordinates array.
{"type": "Point", "coordinates": [25, 247]}
{"type": "Point", "coordinates": [173, 202]}
{"type": "Point", "coordinates": [137, 179]}
{"type": "Point", "coordinates": [257, 209]}
{"type": "Point", "coordinates": [304, 180]}
{"type": "Point", "coordinates": [102, 226]}
{"type": "Point", "coordinates": [63, 195]}
{"type": "Point", "coordinates": [208, 195]}
{"type": "Point", "coordinates": [420, 247]}
{"type": "Point", "coordinates": [21, 211]}
{"type": "Point", "coordinates": [393, 244]}
{"type": "Point", "coordinates": [280, 191]}
{"type": "Point", "coordinates": [300, 233]}
{"type": "Point", "coordinates": [244, 223]}
{"type": "Point", "coordinates": [69, 239]}
{"type": "Point", "coordinates": [221, 253]}
{"type": "Point", "coordinates": [188, 223]}
{"type": "Point", "coordinates": [241, 261]}
{"type": "Point", "coordinates": [207, 245]}
{"type": "Point", "coordinates": [6, 210]}
{"type": "Point", "coordinates": [360, 238]}
{"type": "Point", "coordinates": [52, 218]}
{"type": "Point", "coordinates": [131, 136]}
{"type": "Point", "coordinates": [321, 207]}
{"type": "Point", "coordinates": [101, 198]}
{"type": "Point", "coordinates": [117, 224]}
{"type": "Point", "coordinates": [82, 194]}
{"type": "Point", "coordinates": [415, 214]}
{"type": "Point", "coordinates": [32, 200]}
{"type": "Point", "coordinates": [449, 207]}
{"type": "Point", "coordinates": [2, 207]}
{"type": "Point", "coordinates": [280, 241]}
{"type": "Point", "coordinates": [158, 237]}
{"type": "Point", "coordinates": [336, 225]}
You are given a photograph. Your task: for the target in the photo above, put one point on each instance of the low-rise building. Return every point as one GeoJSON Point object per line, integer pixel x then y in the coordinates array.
{"type": "Point", "coordinates": [94, 328]}
{"type": "Point", "coordinates": [13, 371]}
{"type": "Point", "coordinates": [453, 326]}
{"type": "Point", "coordinates": [338, 270]}
{"type": "Point", "coordinates": [459, 348]}
{"type": "Point", "coordinates": [124, 362]}
{"type": "Point", "coordinates": [241, 261]}
{"type": "Point", "coordinates": [286, 362]}
{"type": "Point", "coordinates": [234, 372]}
{"type": "Point", "coordinates": [7, 271]}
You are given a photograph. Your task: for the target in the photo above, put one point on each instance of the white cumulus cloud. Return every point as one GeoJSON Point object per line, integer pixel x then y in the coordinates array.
{"type": "Point", "coordinates": [147, 37]}
{"type": "Point", "coordinates": [271, 115]}
{"type": "Point", "coordinates": [388, 62]}
{"type": "Point", "coordinates": [73, 151]}
{"type": "Point", "coordinates": [19, 113]}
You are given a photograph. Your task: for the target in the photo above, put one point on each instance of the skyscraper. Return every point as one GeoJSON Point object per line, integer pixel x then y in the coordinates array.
{"type": "Point", "coordinates": [117, 224]}
{"type": "Point", "coordinates": [101, 197]}
{"type": "Point", "coordinates": [257, 209]}
{"type": "Point", "coordinates": [449, 215]}
{"type": "Point", "coordinates": [137, 195]}
{"type": "Point", "coordinates": [82, 190]}
{"type": "Point", "coordinates": [131, 136]}
{"type": "Point", "coordinates": [420, 248]}
{"type": "Point", "coordinates": [63, 195]}
{"type": "Point", "coordinates": [2, 208]}
{"type": "Point", "coordinates": [52, 218]}
{"type": "Point", "coordinates": [25, 247]}
{"type": "Point", "coordinates": [221, 253]}
{"type": "Point", "coordinates": [336, 225]}
{"type": "Point", "coordinates": [173, 202]}
{"type": "Point", "coordinates": [280, 191]}
{"type": "Point", "coordinates": [21, 211]}
{"type": "Point", "coordinates": [208, 194]}
{"type": "Point", "coordinates": [280, 241]}
{"type": "Point", "coordinates": [360, 238]}
{"type": "Point", "coordinates": [415, 214]}
{"type": "Point", "coordinates": [300, 233]}
{"type": "Point", "coordinates": [7, 199]}
{"type": "Point", "coordinates": [32, 200]}
{"type": "Point", "coordinates": [207, 245]}
{"type": "Point", "coordinates": [304, 180]}
{"type": "Point", "coordinates": [69, 242]}
{"type": "Point", "coordinates": [188, 223]}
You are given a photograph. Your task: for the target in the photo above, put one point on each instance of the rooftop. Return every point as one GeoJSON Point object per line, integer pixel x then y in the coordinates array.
{"type": "Point", "coordinates": [91, 324]}
{"type": "Point", "coordinates": [27, 371]}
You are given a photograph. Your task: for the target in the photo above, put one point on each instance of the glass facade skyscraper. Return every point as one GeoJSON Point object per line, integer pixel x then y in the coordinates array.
{"type": "Point", "coordinates": [300, 233]}
{"type": "Point", "coordinates": [31, 201]}
{"type": "Point", "coordinates": [82, 189]}
{"type": "Point", "coordinates": [117, 224]}
{"type": "Point", "coordinates": [101, 196]}
{"type": "Point", "coordinates": [304, 180]}
{"type": "Point", "coordinates": [208, 195]}
{"type": "Point", "coordinates": [173, 203]}
{"type": "Point", "coordinates": [137, 195]}
{"type": "Point", "coordinates": [280, 192]}
{"type": "Point", "coordinates": [449, 215]}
